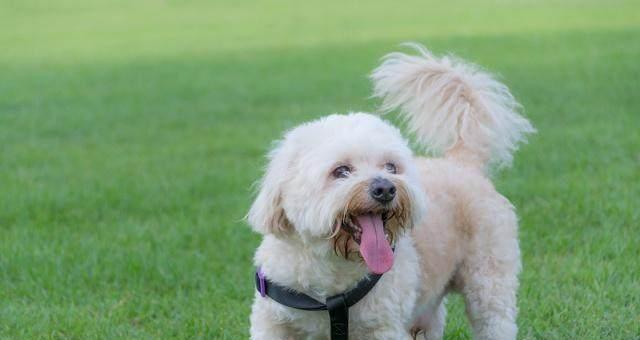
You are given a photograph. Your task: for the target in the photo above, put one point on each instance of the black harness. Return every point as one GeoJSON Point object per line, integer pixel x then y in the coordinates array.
{"type": "Point", "coordinates": [337, 305]}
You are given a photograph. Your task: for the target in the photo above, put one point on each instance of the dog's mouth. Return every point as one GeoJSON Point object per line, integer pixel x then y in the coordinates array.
{"type": "Point", "coordinates": [370, 232]}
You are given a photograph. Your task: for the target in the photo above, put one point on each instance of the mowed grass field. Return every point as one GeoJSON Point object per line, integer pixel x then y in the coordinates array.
{"type": "Point", "coordinates": [131, 133]}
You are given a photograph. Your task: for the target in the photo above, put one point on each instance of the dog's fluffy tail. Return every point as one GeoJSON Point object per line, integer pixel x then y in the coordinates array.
{"type": "Point", "coordinates": [453, 108]}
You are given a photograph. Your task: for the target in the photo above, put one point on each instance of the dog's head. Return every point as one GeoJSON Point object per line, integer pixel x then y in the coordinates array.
{"type": "Point", "coordinates": [344, 180]}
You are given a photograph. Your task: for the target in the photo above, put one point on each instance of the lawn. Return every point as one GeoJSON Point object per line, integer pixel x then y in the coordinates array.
{"type": "Point", "coordinates": [131, 133]}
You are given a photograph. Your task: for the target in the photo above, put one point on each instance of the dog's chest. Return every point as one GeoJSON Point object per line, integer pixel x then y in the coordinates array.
{"type": "Point", "coordinates": [315, 325]}
{"type": "Point", "coordinates": [384, 308]}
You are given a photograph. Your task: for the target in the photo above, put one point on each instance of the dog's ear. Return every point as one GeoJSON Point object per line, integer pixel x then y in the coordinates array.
{"type": "Point", "coordinates": [267, 215]}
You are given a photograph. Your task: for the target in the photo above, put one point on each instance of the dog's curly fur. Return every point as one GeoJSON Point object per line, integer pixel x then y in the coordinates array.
{"type": "Point", "coordinates": [452, 231]}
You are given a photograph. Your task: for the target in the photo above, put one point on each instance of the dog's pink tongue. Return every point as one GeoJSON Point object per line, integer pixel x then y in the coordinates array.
{"type": "Point", "coordinates": [374, 247]}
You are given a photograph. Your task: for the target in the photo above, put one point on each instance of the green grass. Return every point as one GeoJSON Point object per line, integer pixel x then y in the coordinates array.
{"type": "Point", "coordinates": [130, 135]}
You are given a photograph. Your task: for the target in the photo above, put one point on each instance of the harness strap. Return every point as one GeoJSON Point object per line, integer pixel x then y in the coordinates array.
{"type": "Point", "coordinates": [337, 305]}
{"type": "Point", "coordinates": [339, 317]}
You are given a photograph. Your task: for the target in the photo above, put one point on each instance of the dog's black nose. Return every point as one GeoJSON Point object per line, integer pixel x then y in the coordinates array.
{"type": "Point", "coordinates": [382, 190]}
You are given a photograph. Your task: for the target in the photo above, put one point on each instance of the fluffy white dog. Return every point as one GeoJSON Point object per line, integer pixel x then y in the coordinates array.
{"type": "Point", "coordinates": [344, 197]}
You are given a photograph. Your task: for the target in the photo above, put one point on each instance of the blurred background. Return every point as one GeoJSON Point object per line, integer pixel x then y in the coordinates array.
{"type": "Point", "coordinates": [131, 133]}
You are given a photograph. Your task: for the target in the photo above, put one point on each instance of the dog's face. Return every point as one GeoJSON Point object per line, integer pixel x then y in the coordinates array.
{"type": "Point", "coordinates": [344, 180]}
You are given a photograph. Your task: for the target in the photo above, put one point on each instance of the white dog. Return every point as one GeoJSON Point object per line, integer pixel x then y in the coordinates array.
{"type": "Point", "coordinates": [344, 197]}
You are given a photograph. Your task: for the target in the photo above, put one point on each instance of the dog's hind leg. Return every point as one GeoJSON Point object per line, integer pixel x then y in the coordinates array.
{"type": "Point", "coordinates": [488, 276]}
{"type": "Point", "coordinates": [491, 306]}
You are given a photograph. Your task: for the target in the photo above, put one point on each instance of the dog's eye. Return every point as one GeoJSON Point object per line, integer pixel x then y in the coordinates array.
{"type": "Point", "coordinates": [390, 167]}
{"type": "Point", "coordinates": [342, 171]}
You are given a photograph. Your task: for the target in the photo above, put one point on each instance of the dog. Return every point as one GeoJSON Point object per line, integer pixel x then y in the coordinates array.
{"type": "Point", "coordinates": [344, 197]}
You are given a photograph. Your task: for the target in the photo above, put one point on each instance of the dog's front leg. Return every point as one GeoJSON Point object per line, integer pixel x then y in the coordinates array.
{"type": "Point", "coordinates": [264, 325]}
{"type": "Point", "coordinates": [390, 334]}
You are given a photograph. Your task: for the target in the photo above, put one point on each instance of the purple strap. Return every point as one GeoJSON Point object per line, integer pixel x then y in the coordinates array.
{"type": "Point", "coordinates": [263, 286]}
